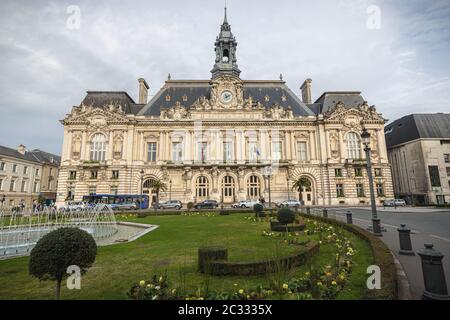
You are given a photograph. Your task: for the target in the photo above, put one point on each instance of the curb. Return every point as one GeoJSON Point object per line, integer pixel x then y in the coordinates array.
{"type": "Point", "coordinates": [404, 289]}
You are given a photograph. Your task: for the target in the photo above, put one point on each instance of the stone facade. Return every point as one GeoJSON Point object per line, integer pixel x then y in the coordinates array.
{"type": "Point", "coordinates": [226, 139]}
{"type": "Point", "coordinates": [421, 160]}
{"type": "Point", "coordinates": [24, 175]}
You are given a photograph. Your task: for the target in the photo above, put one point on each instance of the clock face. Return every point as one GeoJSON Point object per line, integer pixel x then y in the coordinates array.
{"type": "Point", "coordinates": [226, 96]}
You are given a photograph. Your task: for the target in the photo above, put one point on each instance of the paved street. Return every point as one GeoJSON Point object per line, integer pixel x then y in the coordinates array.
{"type": "Point", "coordinates": [427, 225]}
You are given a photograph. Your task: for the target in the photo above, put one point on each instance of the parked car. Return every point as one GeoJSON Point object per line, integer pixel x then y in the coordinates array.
{"type": "Point", "coordinates": [207, 204]}
{"type": "Point", "coordinates": [75, 205]}
{"type": "Point", "coordinates": [124, 206]}
{"type": "Point", "coordinates": [245, 204]}
{"type": "Point", "coordinates": [172, 204]}
{"type": "Point", "coordinates": [394, 203]}
{"type": "Point", "coordinates": [289, 204]}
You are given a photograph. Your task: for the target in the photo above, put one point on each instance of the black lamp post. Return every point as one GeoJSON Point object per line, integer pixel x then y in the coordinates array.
{"type": "Point", "coordinates": [365, 136]}
{"type": "Point", "coordinates": [268, 175]}
{"type": "Point", "coordinates": [289, 191]}
{"type": "Point", "coordinates": [170, 190]}
{"type": "Point", "coordinates": [142, 188]}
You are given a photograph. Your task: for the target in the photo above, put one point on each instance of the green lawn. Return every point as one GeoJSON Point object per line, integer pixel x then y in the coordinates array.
{"type": "Point", "coordinates": [172, 249]}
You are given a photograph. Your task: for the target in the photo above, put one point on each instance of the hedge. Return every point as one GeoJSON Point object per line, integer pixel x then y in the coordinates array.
{"type": "Point", "coordinates": [383, 259]}
{"type": "Point", "coordinates": [224, 267]}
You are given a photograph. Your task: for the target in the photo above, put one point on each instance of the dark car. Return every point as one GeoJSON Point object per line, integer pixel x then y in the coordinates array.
{"type": "Point", "coordinates": [207, 204]}
{"type": "Point", "coordinates": [172, 204]}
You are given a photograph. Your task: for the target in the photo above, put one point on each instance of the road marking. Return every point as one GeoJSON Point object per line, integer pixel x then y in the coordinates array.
{"type": "Point", "coordinates": [440, 238]}
{"type": "Point", "coordinates": [385, 225]}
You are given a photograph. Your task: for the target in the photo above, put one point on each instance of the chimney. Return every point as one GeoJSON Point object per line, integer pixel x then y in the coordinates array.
{"type": "Point", "coordinates": [21, 149]}
{"type": "Point", "coordinates": [306, 91]}
{"type": "Point", "coordinates": [143, 91]}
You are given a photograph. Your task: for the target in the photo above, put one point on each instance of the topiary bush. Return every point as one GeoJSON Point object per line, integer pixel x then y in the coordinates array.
{"type": "Point", "coordinates": [58, 250]}
{"type": "Point", "coordinates": [286, 216]}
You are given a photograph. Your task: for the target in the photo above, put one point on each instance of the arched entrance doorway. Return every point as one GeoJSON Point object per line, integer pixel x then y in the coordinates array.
{"type": "Point", "coordinates": [147, 190]}
{"type": "Point", "coordinates": [253, 188]}
{"type": "Point", "coordinates": [305, 189]}
{"type": "Point", "coordinates": [201, 189]}
{"type": "Point", "coordinates": [228, 190]}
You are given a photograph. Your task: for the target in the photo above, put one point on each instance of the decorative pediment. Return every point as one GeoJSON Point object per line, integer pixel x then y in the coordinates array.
{"type": "Point", "coordinates": [96, 117]}
{"type": "Point", "coordinates": [277, 112]}
{"type": "Point", "coordinates": [177, 112]}
{"type": "Point", "coordinates": [352, 116]}
{"type": "Point", "coordinates": [227, 93]}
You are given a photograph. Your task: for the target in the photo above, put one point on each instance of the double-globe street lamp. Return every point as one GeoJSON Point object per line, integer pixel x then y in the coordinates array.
{"type": "Point", "coordinates": [268, 176]}
{"type": "Point", "coordinates": [376, 226]}
{"type": "Point", "coordinates": [142, 189]}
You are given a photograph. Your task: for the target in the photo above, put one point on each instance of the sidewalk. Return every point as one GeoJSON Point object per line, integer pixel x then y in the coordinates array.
{"type": "Point", "coordinates": [404, 209]}
{"type": "Point", "coordinates": [411, 264]}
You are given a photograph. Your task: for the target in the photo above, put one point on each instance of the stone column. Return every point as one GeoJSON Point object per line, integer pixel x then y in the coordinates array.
{"type": "Point", "coordinates": [288, 148]}
{"type": "Point", "coordinates": [84, 146]}
{"type": "Point", "coordinates": [312, 141]}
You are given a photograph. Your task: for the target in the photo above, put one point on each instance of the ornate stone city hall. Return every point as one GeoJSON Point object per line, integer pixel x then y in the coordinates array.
{"type": "Point", "coordinates": [226, 139]}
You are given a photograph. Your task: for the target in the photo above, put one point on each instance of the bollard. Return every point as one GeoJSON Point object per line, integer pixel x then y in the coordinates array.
{"type": "Point", "coordinates": [349, 217]}
{"type": "Point", "coordinates": [308, 210]}
{"type": "Point", "coordinates": [404, 235]}
{"type": "Point", "coordinates": [433, 274]}
{"type": "Point", "coordinates": [325, 213]}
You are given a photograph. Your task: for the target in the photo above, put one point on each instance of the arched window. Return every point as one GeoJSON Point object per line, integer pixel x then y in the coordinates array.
{"type": "Point", "coordinates": [353, 149]}
{"type": "Point", "coordinates": [98, 147]}
{"type": "Point", "coordinates": [202, 187]}
{"type": "Point", "coordinates": [228, 189]}
{"type": "Point", "coordinates": [226, 55]}
{"type": "Point", "coordinates": [253, 187]}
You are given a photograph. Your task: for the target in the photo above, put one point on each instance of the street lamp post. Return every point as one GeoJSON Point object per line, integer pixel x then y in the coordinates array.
{"type": "Point", "coordinates": [268, 175]}
{"type": "Point", "coordinates": [142, 189]}
{"type": "Point", "coordinates": [365, 136]}
{"type": "Point", "coordinates": [289, 191]}
{"type": "Point", "coordinates": [170, 190]}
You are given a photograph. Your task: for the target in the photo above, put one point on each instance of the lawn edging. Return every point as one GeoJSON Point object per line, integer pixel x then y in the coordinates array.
{"type": "Point", "coordinates": [382, 255]}
{"type": "Point", "coordinates": [227, 268]}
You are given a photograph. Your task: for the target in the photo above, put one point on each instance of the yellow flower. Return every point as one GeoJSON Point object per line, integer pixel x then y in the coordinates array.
{"type": "Point", "coordinates": [306, 273]}
{"type": "Point", "coordinates": [241, 291]}
{"type": "Point", "coordinates": [235, 284]}
{"type": "Point", "coordinates": [160, 279]}
{"type": "Point", "coordinates": [174, 290]}
{"type": "Point", "coordinates": [285, 286]}
{"type": "Point", "coordinates": [328, 274]}
{"type": "Point", "coordinates": [142, 283]}
{"type": "Point", "coordinates": [319, 283]}
{"type": "Point", "coordinates": [333, 283]}
{"type": "Point", "coordinates": [149, 285]}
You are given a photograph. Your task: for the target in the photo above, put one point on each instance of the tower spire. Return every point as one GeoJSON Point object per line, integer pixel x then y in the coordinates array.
{"type": "Point", "coordinates": [225, 48]}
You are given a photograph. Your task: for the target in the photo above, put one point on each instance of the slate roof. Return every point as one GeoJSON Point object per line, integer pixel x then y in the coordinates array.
{"type": "Point", "coordinates": [98, 99]}
{"type": "Point", "coordinates": [36, 155]}
{"type": "Point", "coordinates": [418, 126]}
{"type": "Point", "coordinates": [329, 99]}
{"type": "Point", "coordinates": [193, 90]}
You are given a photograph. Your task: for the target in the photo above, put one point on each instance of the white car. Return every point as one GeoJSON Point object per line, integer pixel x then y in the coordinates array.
{"type": "Point", "coordinates": [75, 205]}
{"type": "Point", "coordinates": [395, 203]}
{"type": "Point", "coordinates": [289, 204]}
{"type": "Point", "coordinates": [245, 204]}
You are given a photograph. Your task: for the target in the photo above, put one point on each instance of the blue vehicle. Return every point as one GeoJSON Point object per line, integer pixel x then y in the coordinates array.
{"type": "Point", "coordinates": [119, 201]}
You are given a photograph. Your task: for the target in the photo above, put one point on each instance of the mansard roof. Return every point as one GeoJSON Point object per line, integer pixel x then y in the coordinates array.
{"type": "Point", "coordinates": [98, 99]}
{"type": "Point", "coordinates": [36, 155]}
{"type": "Point", "coordinates": [329, 99]}
{"type": "Point", "coordinates": [418, 126]}
{"type": "Point", "coordinates": [188, 91]}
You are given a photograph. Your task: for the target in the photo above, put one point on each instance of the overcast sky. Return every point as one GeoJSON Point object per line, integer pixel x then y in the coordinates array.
{"type": "Point", "coordinates": [400, 61]}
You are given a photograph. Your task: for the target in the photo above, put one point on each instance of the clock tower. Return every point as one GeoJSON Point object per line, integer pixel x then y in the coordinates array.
{"type": "Point", "coordinates": [225, 48]}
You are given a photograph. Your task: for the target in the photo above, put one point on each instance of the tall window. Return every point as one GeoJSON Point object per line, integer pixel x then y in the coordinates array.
{"type": "Point", "coordinates": [378, 172]}
{"type": "Point", "coordinates": [151, 154]}
{"type": "Point", "coordinates": [25, 170]}
{"type": "Point", "coordinates": [302, 154]}
{"type": "Point", "coordinates": [114, 190]}
{"type": "Point", "coordinates": [72, 175]}
{"type": "Point", "coordinates": [253, 187]}
{"type": "Point", "coordinates": [360, 190]}
{"type": "Point", "coordinates": [434, 176]}
{"type": "Point", "coordinates": [358, 172]}
{"type": "Point", "coordinates": [98, 147]}
{"type": "Point", "coordinates": [115, 174]}
{"type": "Point", "coordinates": [202, 187]}
{"type": "Point", "coordinates": [92, 190]}
{"type": "Point", "coordinates": [340, 190]}
{"type": "Point", "coordinates": [380, 190]}
{"type": "Point", "coordinates": [1, 184]}
{"type": "Point", "coordinates": [338, 172]}
{"type": "Point", "coordinates": [227, 151]}
{"type": "Point", "coordinates": [14, 168]}
{"type": "Point", "coordinates": [252, 149]}
{"type": "Point", "coordinates": [447, 157]}
{"type": "Point", "coordinates": [177, 153]}
{"type": "Point", "coordinates": [24, 184]}
{"type": "Point", "coordinates": [353, 148]}
{"type": "Point", "coordinates": [36, 187]}
{"type": "Point", "coordinates": [202, 148]}
{"type": "Point", "coordinates": [2, 166]}
{"type": "Point", "coordinates": [12, 185]}
{"type": "Point", "coordinates": [37, 172]}
{"type": "Point", "coordinates": [276, 150]}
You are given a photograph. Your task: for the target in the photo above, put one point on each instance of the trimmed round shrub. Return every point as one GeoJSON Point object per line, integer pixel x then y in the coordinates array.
{"type": "Point", "coordinates": [58, 250]}
{"type": "Point", "coordinates": [259, 210]}
{"type": "Point", "coordinates": [286, 216]}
